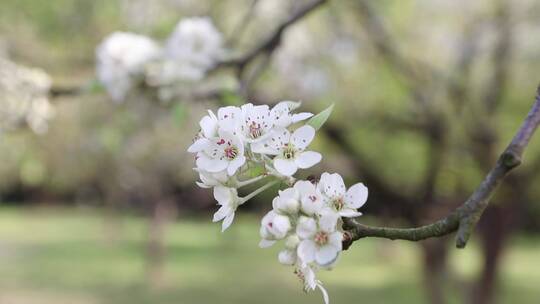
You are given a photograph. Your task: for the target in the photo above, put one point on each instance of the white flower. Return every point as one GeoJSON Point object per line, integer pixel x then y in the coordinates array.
{"type": "Point", "coordinates": [311, 200]}
{"type": "Point", "coordinates": [228, 200]}
{"type": "Point", "coordinates": [209, 180]}
{"type": "Point", "coordinates": [196, 42]}
{"type": "Point", "coordinates": [257, 122]}
{"type": "Point", "coordinates": [321, 242]}
{"type": "Point", "coordinates": [282, 116]}
{"type": "Point", "coordinates": [274, 227]}
{"type": "Point", "coordinates": [121, 58]}
{"type": "Point", "coordinates": [225, 152]}
{"type": "Point", "coordinates": [287, 201]}
{"type": "Point", "coordinates": [288, 255]}
{"type": "Point", "coordinates": [289, 150]}
{"type": "Point", "coordinates": [338, 199]}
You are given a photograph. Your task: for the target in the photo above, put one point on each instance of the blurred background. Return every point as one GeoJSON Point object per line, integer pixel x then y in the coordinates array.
{"type": "Point", "coordinates": [100, 204]}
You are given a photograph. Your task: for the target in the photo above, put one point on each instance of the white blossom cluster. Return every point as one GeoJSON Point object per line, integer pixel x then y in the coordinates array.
{"type": "Point", "coordinates": [238, 138]}
{"type": "Point", "coordinates": [127, 60]}
{"type": "Point", "coordinates": [307, 215]}
{"type": "Point", "coordinates": [24, 97]}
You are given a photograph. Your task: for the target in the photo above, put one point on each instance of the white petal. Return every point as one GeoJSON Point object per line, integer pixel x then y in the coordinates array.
{"type": "Point", "coordinates": [209, 126]}
{"type": "Point", "coordinates": [223, 195]}
{"type": "Point", "coordinates": [303, 136]}
{"type": "Point", "coordinates": [326, 254]}
{"type": "Point", "coordinates": [280, 137]}
{"type": "Point", "coordinates": [199, 145]}
{"type": "Point", "coordinates": [227, 222]}
{"type": "Point", "coordinates": [301, 116]}
{"type": "Point", "coordinates": [286, 167]}
{"type": "Point", "coordinates": [222, 213]}
{"type": "Point", "coordinates": [263, 147]}
{"type": "Point", "coordinates": [235, 164]}
{"type": "Point", "coordinates": [306, 251]}
{"type": "Point", "coordinates": [211, 165]}
{"type": "Point", "coordinates": [306, 227]}
{"type": "Point", "coordinates": [308, 159]}
{"type": "Point", "coordinates": [349, 213]}
{"type": "Point", "coordinates": [332, 185]}
{"type": "Point", "coordinates": [328, 221]}
{"type": "Point", "coordinates": [287, 257]}
{"type": "Point", "coordinates": [336, 239]}
{"type": "Point", "coordinates": [266, 243]}
{"type": "Point", "coordinates": [356, 196]}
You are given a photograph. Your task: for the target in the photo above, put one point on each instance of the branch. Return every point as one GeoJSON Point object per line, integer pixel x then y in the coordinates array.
{"type": "Point", "coordinates": [465, 217]}
{"type": "Point", "coordinates": [273, 41]}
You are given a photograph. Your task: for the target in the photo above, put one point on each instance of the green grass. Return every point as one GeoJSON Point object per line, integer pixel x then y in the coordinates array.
{"type": "Point", "coordinates": [68, 256]}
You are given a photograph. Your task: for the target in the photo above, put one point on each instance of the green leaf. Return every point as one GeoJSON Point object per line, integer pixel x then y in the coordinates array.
{"type": "Point", "coordinates": [318, 120]}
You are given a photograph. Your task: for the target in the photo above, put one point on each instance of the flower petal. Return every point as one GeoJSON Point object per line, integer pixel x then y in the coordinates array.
{"type": "Point", "coordinates": [306, 227]}
{"type": "Point", "coordinates": [227, 222]}
{"type": "Point", "coordinates": [326, 254]}
{"type": "Point", "coordinates": [263, 147]}
{"type": "Point", "coordinates": [306, 251]}
{"type": "Point", "coordinates": [209, 126]}
{"type": "Point", "coordinates": [336, 239]}
{"type": "Point", "coordinates": [356, 196]}
{"type": "Point", "coordinates": [286, 167]}
{"type": "Point", "coordinates": [349, 213]}
{"type": "Point", "coordinates": [223, 195]}
{"type": "Point", "coordinates": [287, 257]}
{"type": "Point", "coordinates": [211, 165]}
{"type": "Point", "coordinates": [221, 213]}
{"type": "Point", "coordinates": [328, 221]}
{"type": "Point", "coordinates": [332, 185]}
{"type": "Point", "coordinates": [308, 159]}
{"type": "Point", "coordinates": [199, 145]}
{"type": "Point", "coordinates": [303, 136]}
{"type": "Point", "coordinates": [266, 243]}
{"type": "Point", "coordinates": [301, 116]}
{"type": "Point", "coordinates": [235, 164]}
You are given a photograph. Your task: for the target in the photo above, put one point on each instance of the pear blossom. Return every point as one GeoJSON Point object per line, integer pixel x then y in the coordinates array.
{"type": "Point", "coordinates": [225, 152]}
{"type": "Point", "coordinates": [321, 242]}
{"type": "Point", "coordinates": [274, 227]}
{"type": "Point", "coordinates": [289, 150]}
{"type": "Point", "coordinates": [209, 179]}
{"type": "Point", "coordinates": [195, 42]}
{"type": "Point", "coordinates": [121, 60]}
{"type": "Point", "coordinates": [338, 199]}
{"type": "Point", "coordinates": [257, 123]}
{"type": "Point", "coordinates": [282, 116]}
{"type": "Point", "coordinates": [311, 200]}
{"type": "Point", "coordinates": [228, 199]}
{"type": "Point", "coordinates": [287, 202]}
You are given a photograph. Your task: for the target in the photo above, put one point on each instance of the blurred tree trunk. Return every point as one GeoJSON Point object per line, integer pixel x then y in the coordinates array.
{"type": "Point", "coordinates": [163, 211]}
{"type": "Point", "coordinates": [435, 255]}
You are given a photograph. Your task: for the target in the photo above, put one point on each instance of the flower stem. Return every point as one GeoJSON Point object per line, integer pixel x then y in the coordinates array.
{"type": "Point", "coordinates": [254, 193]}
{"type": "Point", "coordinates": [251, 180]}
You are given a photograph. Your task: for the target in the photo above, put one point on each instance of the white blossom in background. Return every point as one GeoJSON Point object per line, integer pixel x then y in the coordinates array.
{"type": "Point", "coordinates": [273, 143]}
{"type": "Point", "coordinates": [24, 97]}
{"type": "Point", "coordinates": [121, 62]}
{"type": "Point", "coordinates": [194, 47]}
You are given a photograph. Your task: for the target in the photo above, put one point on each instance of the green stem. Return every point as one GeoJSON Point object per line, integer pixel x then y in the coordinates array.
{"type": "Point", "coordinates": [254, 193]}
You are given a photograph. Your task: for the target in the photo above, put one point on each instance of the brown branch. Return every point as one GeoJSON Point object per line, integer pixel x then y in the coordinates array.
{"type": "Point", "coordinates": [271, 43]}
{"type": "Point", "coordinates": [464, 218]}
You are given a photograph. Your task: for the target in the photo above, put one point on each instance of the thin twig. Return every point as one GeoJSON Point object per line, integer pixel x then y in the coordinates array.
{"type": "Point", "coordinates": [465, 217]}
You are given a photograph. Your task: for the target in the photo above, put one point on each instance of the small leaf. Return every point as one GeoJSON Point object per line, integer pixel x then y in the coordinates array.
{"type": "Point", "coordinates": [318, 120]}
